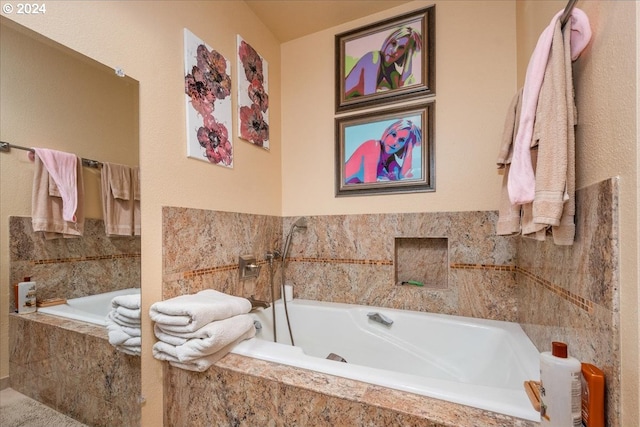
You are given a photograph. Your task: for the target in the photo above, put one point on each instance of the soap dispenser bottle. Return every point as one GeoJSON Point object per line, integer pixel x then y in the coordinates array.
{"type": "Point", "coordinates": [560, 388]}
{"type": "Point", "coordinates": [26, 296]}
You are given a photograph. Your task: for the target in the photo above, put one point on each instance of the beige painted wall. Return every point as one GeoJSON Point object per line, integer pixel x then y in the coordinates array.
{"type": "Point", "coordinates": [475, 80]}
{"type": "Point", "coordinates": [476, 77]}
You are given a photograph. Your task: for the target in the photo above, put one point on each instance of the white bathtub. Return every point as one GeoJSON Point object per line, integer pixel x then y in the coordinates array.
{"type": "Point", "coordinates": [475, 362]}
{"type": "Point", "coordinates": [91, 309]}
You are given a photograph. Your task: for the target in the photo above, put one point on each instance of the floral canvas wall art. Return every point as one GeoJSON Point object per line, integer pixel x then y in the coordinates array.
{"type": "Point", "coordinates": [253, 95]}
{"type": "Point", "coordinates": [207, 86]}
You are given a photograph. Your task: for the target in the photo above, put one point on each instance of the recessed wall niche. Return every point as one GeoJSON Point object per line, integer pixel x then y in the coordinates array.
{"type": "Point", "coordinates": [422, 259]}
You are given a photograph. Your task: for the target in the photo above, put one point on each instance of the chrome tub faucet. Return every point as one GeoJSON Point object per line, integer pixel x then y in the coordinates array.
{"type": "Point", "coordinates": [380, 318]}
{"type": "Point", "coordinates": [256, 303]}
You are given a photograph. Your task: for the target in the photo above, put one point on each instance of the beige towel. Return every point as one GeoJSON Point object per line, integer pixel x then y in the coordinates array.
{"type": "Point", "coordinates": [46, 210]}
{"type": "Point", "coordinates": [53, 188]}
{"type": "Point", "coordinates": [552, 154]}
{"type": "Point", "coordinates": [508, 214]}
{"type": "Point", "coordinates": [554, 203]}
{"type": "Point", "coordinates": [117, 203]}
{"type": "Point", "coordinates": [119, 181]}
{"type": "Point", "coordinates": [135, 184]}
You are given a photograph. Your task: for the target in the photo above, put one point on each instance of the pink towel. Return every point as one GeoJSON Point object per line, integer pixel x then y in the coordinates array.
{"type": "Point", "coordinates": [521, 183]}
{"type": "Point", "coordinates": [62, 167]}
{"type": "Point", "coordinates": [46, 210]}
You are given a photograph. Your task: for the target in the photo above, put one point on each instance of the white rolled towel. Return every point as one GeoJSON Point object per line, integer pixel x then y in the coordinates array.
{"type": "Point", "coordinates": [124, 321]}
{"type": "Point", "coordinates": [203, 363]}
{"type": "Point", "coordinates": [188, 313]}
{"type": "Point", "coordinates": [126, 342]}
{"type": "Point", "coordinates": [119, 334]}
{"type": "Point", "coordinates": [209, 339]}
{"type": "Point", "coordinates": [131, 301]}
{"type": "Point", "coordinates": [130, 313]}
{"type": "Point", "coordinates": [127, 305]}
{"type": "Point", "coordinates": [171, 337]}
{"type": "Point", "coordinates": [134, 350]}
{"type": "Point", "coordinates": [126, 339]}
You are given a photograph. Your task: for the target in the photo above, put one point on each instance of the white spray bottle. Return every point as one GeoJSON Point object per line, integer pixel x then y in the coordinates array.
{"type": "Point", "coordinates": [560, 388]}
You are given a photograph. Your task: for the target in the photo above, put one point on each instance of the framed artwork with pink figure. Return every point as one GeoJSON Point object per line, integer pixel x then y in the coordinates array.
{"type": "Point", "coordinates": [253, 95]}
{"type": "Point", "coordinates": [386, 151]}
{"type": "Point", "coordinates": [207, 87]}
{"type": "Point", "coordinates": [386, 61]}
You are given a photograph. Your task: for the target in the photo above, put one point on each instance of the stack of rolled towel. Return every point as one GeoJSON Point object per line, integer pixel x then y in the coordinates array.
{"type": "Point", "coordinates": [195, 331]}
{"type": "Point", "coordinates": [123, 324]}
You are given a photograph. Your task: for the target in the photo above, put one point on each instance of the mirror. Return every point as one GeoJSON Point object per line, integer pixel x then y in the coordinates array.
{"type": "Point", "coordinates": [54, 97]}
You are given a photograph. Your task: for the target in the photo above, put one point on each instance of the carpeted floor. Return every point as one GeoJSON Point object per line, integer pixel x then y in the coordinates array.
{"type": "Point", "coordinates": [18, 410]}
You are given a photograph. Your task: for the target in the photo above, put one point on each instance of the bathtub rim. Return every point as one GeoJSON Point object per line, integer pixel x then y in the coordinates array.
{"type": "Point", "coordinates": [498, 400]}
{"type": "Point", "coordinates": [69, 312]}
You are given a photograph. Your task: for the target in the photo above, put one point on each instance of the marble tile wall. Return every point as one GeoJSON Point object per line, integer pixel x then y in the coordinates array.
{"type": "Point", "coordinates": [240, 391]}
{"type": "Point", "coordinates": [337, 258]}
{"type": "Point", "coordinates": [71, 367]}
{"type": "Point", "coordinates": [570, 293]}
{"type": "Point", "coordinates": [71, 268]}
{"type": "Point", "coordinates": [345, 258]}
{"type": "Point", "coordinates": [201, 250]}
{"type": "Point", "coordinates": [556, 293]}
{"type": "Point", "coordinates": [353, 259]}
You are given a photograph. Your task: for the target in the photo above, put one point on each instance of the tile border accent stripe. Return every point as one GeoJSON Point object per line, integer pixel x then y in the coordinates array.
{"type": "Point", "coordinates": [83, 258]}
{"type": "Point", "coordinates": [343, 261]}
{"type": "Point", "coordinates": [483, 267]}
{"type": "Point", "coordinates": [559, 291]}
{"type": "Point", "coordinates": [205, 271]}
{"type": "Point", "coordinates": [231, 267]}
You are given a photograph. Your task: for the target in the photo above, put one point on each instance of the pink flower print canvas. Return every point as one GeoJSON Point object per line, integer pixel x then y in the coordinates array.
{"type": "Point", "coordinates": [253, 95]}
{"type": "Point", "coordinates": [207, 87]}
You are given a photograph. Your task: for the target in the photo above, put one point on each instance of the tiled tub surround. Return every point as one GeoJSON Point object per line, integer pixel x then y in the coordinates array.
{"type": "Point", "coordinates": [72, 268]}
{"type": "Point", "coordinates": [66, 364]}
{"type": "Point", "coordinates": [343, 258]}
{"type": "Point", "coordinates": [354, 256]}
{"type": "Point", "coordinates": [571, 294]}
{"type": "Point", "coordinates": [201, 250]}
{"type": "Point", "coordinates": [350, 258]}
{"type": "Point", "coordinates": [71, 367]}
{"type": "Point", "coordinates": [241, 391]}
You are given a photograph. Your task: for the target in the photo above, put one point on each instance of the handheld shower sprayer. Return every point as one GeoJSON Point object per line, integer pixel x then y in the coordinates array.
{"type": "Point", "coordinates": [300, 224]}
